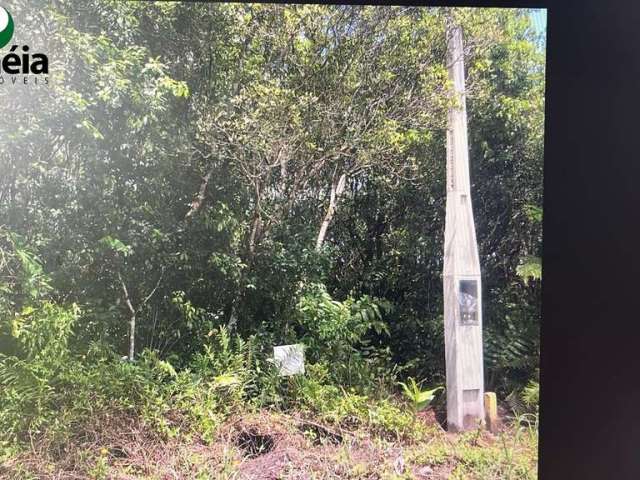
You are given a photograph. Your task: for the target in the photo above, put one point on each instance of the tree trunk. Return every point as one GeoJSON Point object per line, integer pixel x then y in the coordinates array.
{"type": "Point", "coordinates": [132, 337]}
{"type": "Point", "coordinates": [255, 232]}
{"type": "Point", "coordinates": [337, 188]}
{"type": "Point", "coordinates": [132, 319]}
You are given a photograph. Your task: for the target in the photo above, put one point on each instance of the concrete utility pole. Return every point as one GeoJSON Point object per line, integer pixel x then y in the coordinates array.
{"type": "Point", "coordinates": [462, 287]}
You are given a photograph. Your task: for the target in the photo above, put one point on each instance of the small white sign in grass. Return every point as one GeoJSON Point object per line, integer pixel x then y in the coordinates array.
{"type": "Point", "coordinates": [289, 359]}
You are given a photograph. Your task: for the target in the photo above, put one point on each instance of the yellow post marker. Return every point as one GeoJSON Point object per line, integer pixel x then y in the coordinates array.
{"type": "Point", "coordinates": [491, 411]}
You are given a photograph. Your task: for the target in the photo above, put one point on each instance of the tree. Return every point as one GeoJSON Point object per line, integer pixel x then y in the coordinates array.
{"type": "Point", "coordinates": [240, 150]}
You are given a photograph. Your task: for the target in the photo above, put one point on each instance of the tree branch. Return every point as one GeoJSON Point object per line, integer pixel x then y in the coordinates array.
{"type": "Point", "coordinates": [127, 299]}
{"type": "Point", "coordinates": [196, 205]}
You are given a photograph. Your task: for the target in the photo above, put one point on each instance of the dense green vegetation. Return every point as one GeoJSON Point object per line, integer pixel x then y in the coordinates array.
{"type": "Point", "coordinates": [200, 182]}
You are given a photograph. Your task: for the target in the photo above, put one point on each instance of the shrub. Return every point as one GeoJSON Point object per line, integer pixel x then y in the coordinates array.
{"type": "Point", "coordinates": [33, 379]}
{"type": "Point", "coordinates": [317, 395]}
{"type": "Point", "coordinates": [336, 332]}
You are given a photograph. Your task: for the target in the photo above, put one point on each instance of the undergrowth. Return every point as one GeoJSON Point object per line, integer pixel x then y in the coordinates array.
{"type": "Point", "coordinates": [54, 393]}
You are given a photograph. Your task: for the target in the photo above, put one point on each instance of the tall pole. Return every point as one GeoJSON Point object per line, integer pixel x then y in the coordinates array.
{"type": "Point", "coordinates": [461, 275]}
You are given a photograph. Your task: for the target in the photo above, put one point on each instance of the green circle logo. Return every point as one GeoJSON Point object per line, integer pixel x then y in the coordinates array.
{"type": "Point", "coordinates": [6, 27]}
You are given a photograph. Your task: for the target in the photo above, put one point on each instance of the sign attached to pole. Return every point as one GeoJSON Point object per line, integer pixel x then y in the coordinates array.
{"type": "Point", "coordinates": [289, 359]}
{"type": "Point", "coordinates": [461, 275]}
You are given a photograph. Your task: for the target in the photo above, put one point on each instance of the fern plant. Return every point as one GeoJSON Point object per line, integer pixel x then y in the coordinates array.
{"type": "Point", "coordinates": [531, 395]}
{"type": "Point", "coordinates": [420, 399]}
{"type": "Point", "coordinates": [512, 352]}
{"type": "Point", "coordinates": [339, 331]}
{"type": "Point", "coordinates": [530, 268]}
{"type": "Point", "coordinates": [228, 361]}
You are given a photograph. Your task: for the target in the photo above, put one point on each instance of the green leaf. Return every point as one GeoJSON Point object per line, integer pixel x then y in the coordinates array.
{"type": "Point", "coordinates": [116, 245]}
{"type": "Point", "coordinates": [530, 268]}
{"type": "Point", "coordinates": [533, 213]}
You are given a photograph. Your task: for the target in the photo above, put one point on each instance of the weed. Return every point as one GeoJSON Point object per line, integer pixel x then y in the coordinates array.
{"type": "Point", "coordinates": [420, 399]}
